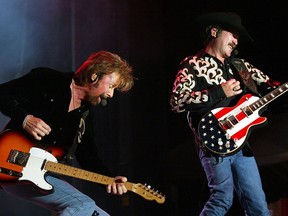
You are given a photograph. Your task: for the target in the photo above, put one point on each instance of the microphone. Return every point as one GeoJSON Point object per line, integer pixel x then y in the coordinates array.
{"type": "Point", "coordinates": [234, 53]}
{"type": "Point", "coordinates": [103, 102]}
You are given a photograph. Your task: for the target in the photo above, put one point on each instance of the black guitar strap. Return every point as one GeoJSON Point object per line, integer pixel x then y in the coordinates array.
{"type": "Point", "coordinates": [77, 138]}
{"type": "Point", "coordinates": [245, 75]}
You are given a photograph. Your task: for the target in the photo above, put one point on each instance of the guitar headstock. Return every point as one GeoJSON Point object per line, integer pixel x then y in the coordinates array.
{"type": "Point", "coordinates": [147, 193]}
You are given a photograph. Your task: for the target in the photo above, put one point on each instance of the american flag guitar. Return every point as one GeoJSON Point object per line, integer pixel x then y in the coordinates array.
{"type": "Point", "coordinates": [224, 130]}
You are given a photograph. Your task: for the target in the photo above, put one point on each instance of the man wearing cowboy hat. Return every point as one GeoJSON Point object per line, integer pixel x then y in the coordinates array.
{"type": "Point", "coordinates": [212, 79]}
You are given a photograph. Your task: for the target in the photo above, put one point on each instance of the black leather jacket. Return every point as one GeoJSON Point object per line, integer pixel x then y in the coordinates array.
{"type": "Point", "coordinates": [45, 93]}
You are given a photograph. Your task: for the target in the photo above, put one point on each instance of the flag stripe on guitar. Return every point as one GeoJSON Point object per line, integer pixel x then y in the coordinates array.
{"type": "Point", "coordinates": [224, 130]}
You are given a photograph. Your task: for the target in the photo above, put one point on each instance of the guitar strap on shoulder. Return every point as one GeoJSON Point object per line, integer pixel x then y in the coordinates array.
{"type": "Point", "coordinates": [245, 75]}
{"type": "Point", "coordinates": [77, 138]}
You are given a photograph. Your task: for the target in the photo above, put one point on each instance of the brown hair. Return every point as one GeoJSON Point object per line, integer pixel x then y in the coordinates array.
{"type": "Point", "coordinates": [104, 63]}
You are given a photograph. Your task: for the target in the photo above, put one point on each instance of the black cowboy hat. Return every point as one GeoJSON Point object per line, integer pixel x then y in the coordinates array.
{"type": "Point", "coordinates": [229, 21]}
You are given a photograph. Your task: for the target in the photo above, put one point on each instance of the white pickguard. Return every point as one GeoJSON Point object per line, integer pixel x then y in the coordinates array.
{"type": "Point", "coordinates": [33, 171]}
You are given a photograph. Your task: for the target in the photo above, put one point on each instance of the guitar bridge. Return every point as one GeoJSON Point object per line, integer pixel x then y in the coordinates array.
{"type": "Point", "coordinates": [10, 172]}
{"type": "Point", "coordinates": [18, 157]}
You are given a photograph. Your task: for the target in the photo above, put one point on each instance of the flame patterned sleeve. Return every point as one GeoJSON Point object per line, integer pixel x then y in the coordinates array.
{"type": "Point", "coordinates": [264, 82]}
{"type": "Point", "coordinates": [197, 85]}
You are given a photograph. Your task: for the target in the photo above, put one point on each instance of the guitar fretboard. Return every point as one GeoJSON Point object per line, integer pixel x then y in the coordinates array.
{"type": "Point", "coordinates": [269, 97]}
{"type": "Point", "coordinates": [142, 190]}
{"type": "Point", "coordinates": [81, 174]}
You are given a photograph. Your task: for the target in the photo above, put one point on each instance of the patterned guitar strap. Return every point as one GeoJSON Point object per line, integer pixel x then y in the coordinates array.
{"type": "Point", "coordinates": [245, 75]}
{"type": "Point", "coordinates": [77, 139]}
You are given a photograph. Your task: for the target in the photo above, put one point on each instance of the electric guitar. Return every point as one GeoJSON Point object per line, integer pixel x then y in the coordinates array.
{"type": "Point", "coordinates": [224, 130]}
{"type": "Point", "coordinates": [21, 160]}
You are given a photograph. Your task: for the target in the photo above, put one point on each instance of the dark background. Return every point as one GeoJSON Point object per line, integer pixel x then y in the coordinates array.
{"type": "Point", "coordinates": [137, 133]}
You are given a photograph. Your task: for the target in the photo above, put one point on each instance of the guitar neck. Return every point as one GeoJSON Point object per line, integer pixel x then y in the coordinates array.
{"type": "Point", "coordinates": [269, 97]}
{"type": "Point", "coordinates": [81, 174]}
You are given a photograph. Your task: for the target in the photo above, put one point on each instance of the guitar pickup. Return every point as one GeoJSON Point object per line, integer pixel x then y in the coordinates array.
{"type": "Point", "coordinates": [247, 110]}
{"type": "Point", "coordinates": [228, 122]}
{"type": "Point", "coordinates": [18, 157]}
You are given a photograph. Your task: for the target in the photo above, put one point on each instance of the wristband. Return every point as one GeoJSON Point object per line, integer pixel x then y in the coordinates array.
{"type": "Point", "coordinates": [25, 121]}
